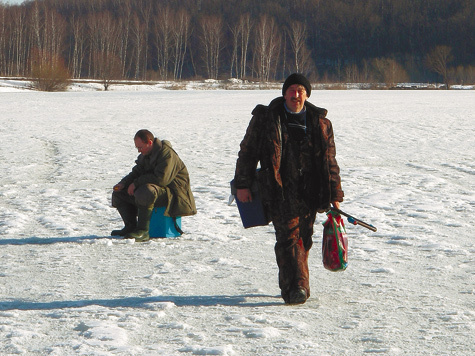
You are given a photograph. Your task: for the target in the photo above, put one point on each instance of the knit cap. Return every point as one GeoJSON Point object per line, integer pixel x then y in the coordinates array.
{"type": "Point", "coordinates": [297, 78]}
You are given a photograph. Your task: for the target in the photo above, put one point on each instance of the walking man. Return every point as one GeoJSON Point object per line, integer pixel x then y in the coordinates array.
{"type": "Point", "coordinates": [299, 176]}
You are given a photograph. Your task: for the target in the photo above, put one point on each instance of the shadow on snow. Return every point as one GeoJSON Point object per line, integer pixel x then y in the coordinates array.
{"type": "Point", "coordinates": [144, 302]}
{"type": "Point", "coordinates": [53, 240]}
{"type": "Point", "coordinates": [130, 302]}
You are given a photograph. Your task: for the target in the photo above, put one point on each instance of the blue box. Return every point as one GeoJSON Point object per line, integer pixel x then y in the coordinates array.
{"type": "Point", "coordinates": [252, 213]}
{"type": "Point", "coordinates": [164, 226]}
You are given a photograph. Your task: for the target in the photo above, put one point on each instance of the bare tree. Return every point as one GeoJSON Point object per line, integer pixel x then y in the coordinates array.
{"type": "Point", "coordinates": [38, 25]}
{"type": "Point", "coordinates": [240, 43]}
{"type": "Point", "coordinates": [49, 29]}
{"type": "Point", "coordinates": [211, 37]}
{"type": "Point", "coordinates": [181, 35]}
{"type": "Point", "coordinates": [366, 74]}
{"type": "Point", "coordinates": [245, 24]}
{"type": "Point", "coordinates": [92, 30]}
{"type": "Point", "coordinates": [78, 46]}
{"type": "Point", "coordinates": [3, 41]}
{"type": "Point", "coordinates": [104, 41]}
{"type": "Point", "coordinates": [339, 70]}
{"type": "Point", "coordinates": [162, 32]}
{"type": "Point", "coordinates": [301, 55]}
{"type": "Point", "coordinates": [463, 74]}
{"type": "Point", "coordinates": [109, 67]}
{"type": "Point", "coordinates": [145, 16]}
{"type": "Point", "coordinates": [389, 71]}
{"type": "Point", "coordinates": [352, 73]}
{"type": "Point", "coordinates": [138, 33]}
{"type": "Point", "coordinates": [56, 32]}
{"type": "Point", "coordinates": [125, 17]}
{"type": "Point", "coordinates": [438, 60]}
{"type": "Point", "coordinates": [106, 48]}
{"type": "Point", "coordinates": [18, 49]}
{"type": "Point", "coordinates": [236, 34]}
{"type": "Point", "coordinates": [267, 43]}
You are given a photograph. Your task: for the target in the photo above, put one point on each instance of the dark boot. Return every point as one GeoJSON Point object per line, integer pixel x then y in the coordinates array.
{"type": "Point", "coordinates": [297, 296]}
{"type": "Point", "coordinates": [140, 233]}
{"type": "Point", "coordinates": [293, 272]}
{"type": "Point", "coordinates": [128, 214]}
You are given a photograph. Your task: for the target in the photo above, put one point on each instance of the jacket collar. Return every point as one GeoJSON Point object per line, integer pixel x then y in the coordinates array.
{"type": "Point", "coordinates": [278, 103]}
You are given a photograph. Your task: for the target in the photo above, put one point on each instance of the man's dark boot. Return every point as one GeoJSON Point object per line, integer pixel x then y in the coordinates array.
{"type": "Point", "coordinates": [128, 214]}
{"type": "Point", "coordinates": [140, 233]}
{"type": "Point", "coordinates": [297, 296]}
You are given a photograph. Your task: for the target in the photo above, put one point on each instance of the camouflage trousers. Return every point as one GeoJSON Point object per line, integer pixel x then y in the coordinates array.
{"type": "Point", "coordinates": [293, 242]}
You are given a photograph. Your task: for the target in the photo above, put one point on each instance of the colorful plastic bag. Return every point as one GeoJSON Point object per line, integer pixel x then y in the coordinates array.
{"type": "Point", "coordinates": [335, 243]}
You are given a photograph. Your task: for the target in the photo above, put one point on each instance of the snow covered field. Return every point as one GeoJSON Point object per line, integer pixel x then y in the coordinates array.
{"type": "Point", "coordinates": [67, 288]}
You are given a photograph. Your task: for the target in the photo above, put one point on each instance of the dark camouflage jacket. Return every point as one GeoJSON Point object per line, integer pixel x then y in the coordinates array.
{"type": "Point", "coordinates": [267, 142]}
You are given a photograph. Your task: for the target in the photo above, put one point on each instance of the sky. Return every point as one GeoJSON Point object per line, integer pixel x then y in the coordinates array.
{"type": "Point", "coordinates": [13, 2]}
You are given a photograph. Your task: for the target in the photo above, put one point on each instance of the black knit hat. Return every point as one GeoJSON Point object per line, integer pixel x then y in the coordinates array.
{"type": "Point", "coordinates": [297, 78]}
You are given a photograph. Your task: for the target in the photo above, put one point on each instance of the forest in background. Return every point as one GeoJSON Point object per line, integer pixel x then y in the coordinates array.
{"type": "Point", "coordinates": [339, 41]}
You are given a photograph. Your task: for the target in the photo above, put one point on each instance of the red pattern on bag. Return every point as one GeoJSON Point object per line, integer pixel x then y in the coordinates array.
{"type": "Point", "coordinates": [335, 243]}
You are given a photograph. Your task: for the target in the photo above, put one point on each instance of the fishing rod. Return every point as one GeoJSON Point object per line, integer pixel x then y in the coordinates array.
{"type": "Point", "coordinates": [353, 220]}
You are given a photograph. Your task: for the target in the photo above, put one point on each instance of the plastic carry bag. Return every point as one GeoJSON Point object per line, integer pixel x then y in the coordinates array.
{"type": "Point", "coordinates": [335, 243]}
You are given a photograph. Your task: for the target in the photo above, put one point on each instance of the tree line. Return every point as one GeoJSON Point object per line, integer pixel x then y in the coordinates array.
{"type": "Point", "coordinates": [330, 41]}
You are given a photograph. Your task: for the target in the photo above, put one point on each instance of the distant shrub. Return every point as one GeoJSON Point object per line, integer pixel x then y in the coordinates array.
{"type": "Point", "coordinates": [49, 73]}
{"type": "Point", "coordinates": [389, 71]}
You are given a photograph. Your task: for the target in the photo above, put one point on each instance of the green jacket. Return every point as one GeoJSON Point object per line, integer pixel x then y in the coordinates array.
{"type": "Point", "coordinates": [164, 168]}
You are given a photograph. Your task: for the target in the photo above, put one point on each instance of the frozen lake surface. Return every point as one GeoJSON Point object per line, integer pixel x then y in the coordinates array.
{"type": "Point", "coordinates": [67, 288]}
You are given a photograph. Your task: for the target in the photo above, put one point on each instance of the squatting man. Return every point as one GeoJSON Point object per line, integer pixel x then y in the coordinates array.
{"type": "Point", "coordinates": [293, 141]}
{"type": "Point", "coordinates": [158, 179]}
